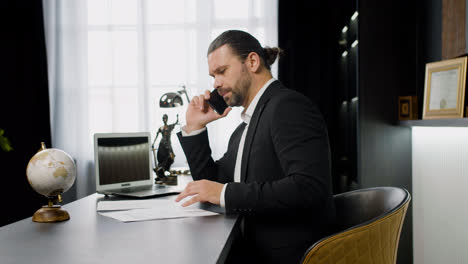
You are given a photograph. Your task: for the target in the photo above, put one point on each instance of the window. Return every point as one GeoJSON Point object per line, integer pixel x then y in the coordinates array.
{"type": "Point", "coordinates": [138, 50]}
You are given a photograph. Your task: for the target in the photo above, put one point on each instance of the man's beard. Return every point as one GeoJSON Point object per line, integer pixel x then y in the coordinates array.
{"type": "Point", "coordinates": [240, 89]}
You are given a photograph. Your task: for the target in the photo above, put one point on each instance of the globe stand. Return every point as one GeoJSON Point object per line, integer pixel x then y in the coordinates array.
{"type": "Point", "coordinates": [51, 213]}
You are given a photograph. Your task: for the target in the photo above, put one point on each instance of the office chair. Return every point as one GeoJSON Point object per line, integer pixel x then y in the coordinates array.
{"type": "Point", "coordinates": [370, 221]}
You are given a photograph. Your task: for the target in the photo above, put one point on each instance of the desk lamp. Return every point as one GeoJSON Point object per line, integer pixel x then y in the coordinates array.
{"type": "Point", "coordinates": [164, 157]}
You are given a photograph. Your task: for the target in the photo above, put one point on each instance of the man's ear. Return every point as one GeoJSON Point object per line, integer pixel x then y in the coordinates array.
{"type": "Point", "coordinates": [253, 62]}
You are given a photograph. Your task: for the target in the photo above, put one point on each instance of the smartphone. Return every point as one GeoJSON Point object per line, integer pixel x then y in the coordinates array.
{"type": "Point", "coordinates": [217, 102]}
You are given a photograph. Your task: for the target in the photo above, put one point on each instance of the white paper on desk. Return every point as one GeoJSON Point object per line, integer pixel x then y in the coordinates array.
{"type": "Point", "coordinates": [133, 204]}
{"type": "Point", "coordinates": [156, 213]}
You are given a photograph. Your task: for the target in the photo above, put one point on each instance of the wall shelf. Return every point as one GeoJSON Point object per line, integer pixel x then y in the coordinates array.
{"type": "Point", "coordinates": [452, 122]}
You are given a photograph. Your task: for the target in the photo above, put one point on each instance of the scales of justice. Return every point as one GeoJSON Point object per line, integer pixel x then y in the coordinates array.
{"type": "Point", "coordinates": [164, 155]}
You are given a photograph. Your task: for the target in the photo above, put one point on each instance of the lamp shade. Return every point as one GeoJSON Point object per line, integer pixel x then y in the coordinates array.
{"type": "Point", "coordinates": [170, 100]}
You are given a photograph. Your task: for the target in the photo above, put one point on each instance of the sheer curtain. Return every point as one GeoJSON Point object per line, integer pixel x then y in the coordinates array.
{"type": "Point", "coordinates": [110, 61]}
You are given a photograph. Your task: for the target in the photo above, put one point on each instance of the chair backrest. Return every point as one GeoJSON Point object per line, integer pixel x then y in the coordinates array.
{"type": "Point", "coordinates": [369, 224]}
{"type": "Point", "coordinates": [357, 207]}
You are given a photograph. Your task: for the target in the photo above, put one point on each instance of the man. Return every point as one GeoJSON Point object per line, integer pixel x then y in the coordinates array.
{"type": "Point", "coordinates": [276, 171]}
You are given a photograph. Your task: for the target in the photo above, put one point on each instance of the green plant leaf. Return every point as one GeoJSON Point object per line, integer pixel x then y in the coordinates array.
{"type": "Point", "coordinates": [4, 142]}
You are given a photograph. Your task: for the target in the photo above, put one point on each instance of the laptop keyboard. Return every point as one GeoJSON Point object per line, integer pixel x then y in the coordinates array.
{"type": "Point", "coordinates": [139, 189]}
{"type": "Point", "coordinates": [145, 191]}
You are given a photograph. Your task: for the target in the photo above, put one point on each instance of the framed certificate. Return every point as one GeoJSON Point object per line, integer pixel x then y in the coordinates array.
{"type": "Point", "coordinates": [444, 89]}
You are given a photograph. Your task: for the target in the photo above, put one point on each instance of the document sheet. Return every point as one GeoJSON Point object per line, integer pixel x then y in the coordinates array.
{"type": "Point", "coordinates": [144, 210]}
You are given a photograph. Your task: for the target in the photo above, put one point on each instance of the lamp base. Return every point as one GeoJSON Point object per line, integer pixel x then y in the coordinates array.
{"type": "Point", "coordinates": [49, 214]}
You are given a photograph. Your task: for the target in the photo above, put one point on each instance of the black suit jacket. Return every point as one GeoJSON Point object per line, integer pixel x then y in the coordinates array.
{"type": "Point", "coordinates": [285, 194]}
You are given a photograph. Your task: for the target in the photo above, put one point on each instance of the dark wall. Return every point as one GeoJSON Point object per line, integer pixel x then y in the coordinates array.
{"type": "Point", "coordinates": [433, 30]}
{"type": "Point", "coordinates": [390, 50]}
{"type": "Point", "coordinates": [306, 35]}
{"type": "Point", "coordinates": [431, 46]}
{"type": "Point", "coordinates": [391, 57]}
{"type": "Point", "coordinates": [309, 32]}
{"type": "Point", "coordinates": [24, 105]}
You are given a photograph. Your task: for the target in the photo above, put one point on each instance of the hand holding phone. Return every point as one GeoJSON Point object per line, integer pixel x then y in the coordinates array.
{"type": "Point", "coordinates": [217, 102]}
{"type": "Point", "coordinates": [199, 114]}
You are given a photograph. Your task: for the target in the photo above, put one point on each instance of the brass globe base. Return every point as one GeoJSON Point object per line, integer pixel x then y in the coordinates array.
{"type": "Point", "coordinates": [49, 214]}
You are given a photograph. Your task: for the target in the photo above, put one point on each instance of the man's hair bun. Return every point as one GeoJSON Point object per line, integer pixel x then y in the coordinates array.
{"type": "Point", "coordinates": [271, 54]}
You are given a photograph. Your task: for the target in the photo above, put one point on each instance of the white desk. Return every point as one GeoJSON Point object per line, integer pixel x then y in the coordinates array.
{"type": "Point", "coordinates": [91, 238]}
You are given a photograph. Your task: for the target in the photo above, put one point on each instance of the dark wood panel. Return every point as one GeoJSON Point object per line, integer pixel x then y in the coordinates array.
{"type": "Point", "coordinates": [453, 28]}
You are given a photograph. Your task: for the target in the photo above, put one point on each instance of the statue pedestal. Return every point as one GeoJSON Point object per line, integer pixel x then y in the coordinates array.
{"type": "Point", "coordinates": [167, 180]}
{"type": "Point", "coordinates": [170, 180]}
{"type": "Point", "coordinates": [49, 214]}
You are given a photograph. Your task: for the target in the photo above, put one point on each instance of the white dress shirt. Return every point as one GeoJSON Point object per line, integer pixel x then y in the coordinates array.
{"type": "Point", "coordinates": [246, 115]}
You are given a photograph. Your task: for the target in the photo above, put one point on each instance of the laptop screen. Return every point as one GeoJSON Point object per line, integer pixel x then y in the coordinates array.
{"type": "Point", "coordinates": [123, 159]}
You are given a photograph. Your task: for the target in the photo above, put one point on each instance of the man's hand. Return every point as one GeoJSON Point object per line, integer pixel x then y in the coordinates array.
{"type": "Point", "coordinates": [199, 113]}
{"type": "Point", "coordinates": [205, 191]}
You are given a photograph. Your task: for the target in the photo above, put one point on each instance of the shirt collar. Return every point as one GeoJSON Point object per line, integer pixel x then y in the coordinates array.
{"type": "Point", "coordinates": [246, 115]}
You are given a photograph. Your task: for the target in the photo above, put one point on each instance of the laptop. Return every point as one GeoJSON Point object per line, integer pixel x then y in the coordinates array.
{"type": "Point", "coordinates": [123, 166]}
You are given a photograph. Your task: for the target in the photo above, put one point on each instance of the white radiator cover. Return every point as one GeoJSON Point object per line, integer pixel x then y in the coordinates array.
{"type": "Point", "coordinates": [440, 194]}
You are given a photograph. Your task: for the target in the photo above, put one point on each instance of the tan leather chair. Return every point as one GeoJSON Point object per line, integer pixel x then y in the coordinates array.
{"type": "Point", "coordinates": [371, 221]}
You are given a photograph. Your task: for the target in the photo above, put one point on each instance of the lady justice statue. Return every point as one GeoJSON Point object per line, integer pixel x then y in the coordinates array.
{"type": "Point", "coordinates": [165, 156]}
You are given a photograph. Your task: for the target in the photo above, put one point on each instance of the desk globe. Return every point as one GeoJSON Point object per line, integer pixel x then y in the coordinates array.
{"type": "Point", "coordinates": [51, 172]}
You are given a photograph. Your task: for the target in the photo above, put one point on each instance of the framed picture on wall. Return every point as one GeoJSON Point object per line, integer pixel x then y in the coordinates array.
{"type": "Point", "coordinates": [444, 89]}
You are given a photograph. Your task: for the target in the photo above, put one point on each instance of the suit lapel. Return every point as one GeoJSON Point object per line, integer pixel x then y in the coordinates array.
{"type": "Point", "coordinates": [252, 128]}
